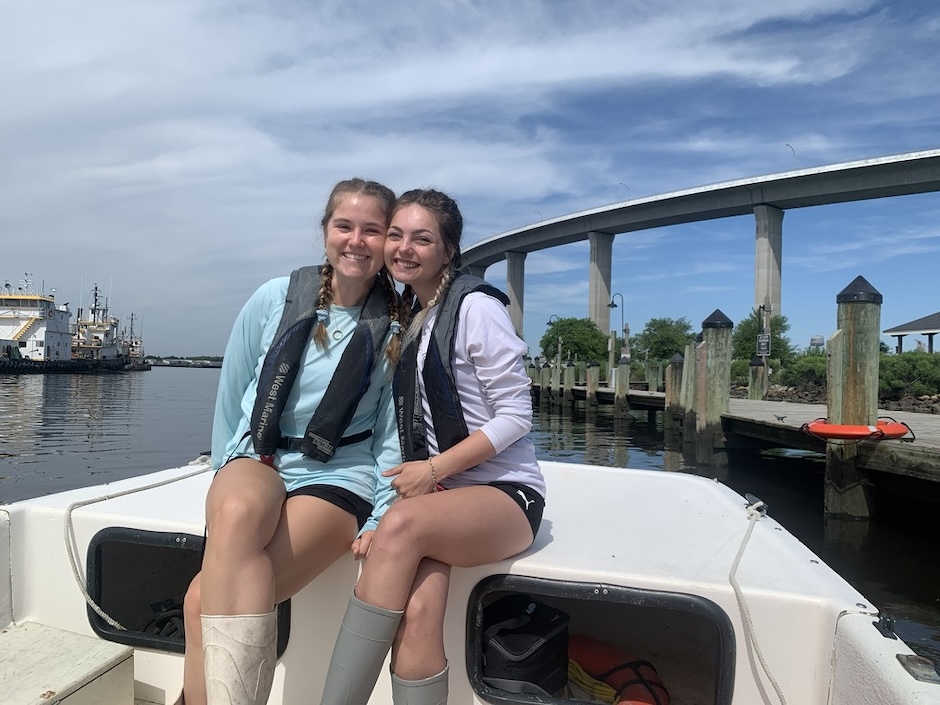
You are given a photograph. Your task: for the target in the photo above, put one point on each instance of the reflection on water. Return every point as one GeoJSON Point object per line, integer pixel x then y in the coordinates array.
{"type": "Point", "coordinates": [892, 560]}
{"type": "Point", "coordinates": [63, 431]}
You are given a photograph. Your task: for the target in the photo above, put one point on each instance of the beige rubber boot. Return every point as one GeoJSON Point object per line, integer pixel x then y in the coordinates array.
{"type": "Point", "coordinates": [361, 646]}
{"type": "Point", "coordinates": [239, 652]}
{"type": "Point", "coordinates": [428, 691]}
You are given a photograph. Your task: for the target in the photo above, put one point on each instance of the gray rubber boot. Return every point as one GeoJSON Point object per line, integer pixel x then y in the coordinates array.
{"type": "Point", "coordinates": [361, 646]}
{"type": "Point", "coordinates": [239, 653]}
{"type": "Point", "coordinates": [428, 691]}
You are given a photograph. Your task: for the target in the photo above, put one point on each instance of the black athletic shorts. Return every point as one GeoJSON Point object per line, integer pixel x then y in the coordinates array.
{"type": "Point", "coordinates": [337, 496]}
{"type": "Point", "coordinates": [530, 502]}
{"type": "Point", "coordinates": [342, 498]}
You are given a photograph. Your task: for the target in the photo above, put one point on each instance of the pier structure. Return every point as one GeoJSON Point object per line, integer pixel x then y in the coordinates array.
{"type": "Point", "coordinates": [767, 198]}
{"type": "Point", "coordinates": [698, 410]}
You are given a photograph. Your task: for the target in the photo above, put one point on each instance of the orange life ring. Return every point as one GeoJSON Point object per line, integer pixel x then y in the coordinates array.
{"type": "Point", "coordinates": [883, 428]}
{"type": "Point", "coordinates": [636, 682]}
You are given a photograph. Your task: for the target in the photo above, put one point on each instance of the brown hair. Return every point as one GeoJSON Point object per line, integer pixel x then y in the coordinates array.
{"type": "Point", "coordinates": [450, 222]}
{"type": "Point", "coordinates": [386, 198]}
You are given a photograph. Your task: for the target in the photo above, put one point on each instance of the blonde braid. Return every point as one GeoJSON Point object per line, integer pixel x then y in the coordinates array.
{"type": "Point", "coordinates": [393, 349]}
{"type": "Point", "coordinates": [324, 301]}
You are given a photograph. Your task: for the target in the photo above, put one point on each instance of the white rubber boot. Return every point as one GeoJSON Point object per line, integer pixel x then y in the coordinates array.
{"type": "Point", "coordinates": [239, 652]}
{"type": "Point", "coordinates": [361, 646]}
{"type": "Point", "coordinates": [428, 691]}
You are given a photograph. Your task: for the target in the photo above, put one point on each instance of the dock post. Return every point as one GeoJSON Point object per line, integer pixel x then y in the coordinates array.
{"type": "Point", "coordinates": [853, 353]}
{"type": "Point", "coordinates": [556, 386]}
{"type": "Point", "coordinates": [569, 374]}
{"type": "Point", "coordinates": [715, 385]}
{"type": "Point", "coordinates": [687, 392]}
{"type": "Point", "coordinates": [622, 388]}
{"type": "Point", "coordinates": [757, 381]}
{"type": "Point", "coordinates": [673, 403]}
{"type": "Point", "coordinates": [593, 382]}
{"type": "Point", "coordinates": [545, 383]}
{"type": "Point", "coordinates": [533, 372]}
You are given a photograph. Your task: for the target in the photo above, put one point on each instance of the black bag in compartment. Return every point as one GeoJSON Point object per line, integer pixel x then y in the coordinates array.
{"type": "Point", "coordinates": [525, 645]}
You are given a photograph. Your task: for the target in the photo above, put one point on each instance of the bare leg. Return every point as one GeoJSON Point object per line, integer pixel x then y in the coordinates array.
{"type": "Point", "coordinates": [418, 649]}
{"type": "Point", "coordinates": [243, 509]}
{"type": "Point", "coordinates": [469, 526]}
{"type": "Point", "coordinates": [309, 536]}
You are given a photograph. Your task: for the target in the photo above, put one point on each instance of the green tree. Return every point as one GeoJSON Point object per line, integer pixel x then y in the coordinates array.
{"type": "Point", "coordinates": [662, 338]}
{"type": "Point", "coordinates": [744, 337]}
{"type": "Point", "coordinates": [580, 338]}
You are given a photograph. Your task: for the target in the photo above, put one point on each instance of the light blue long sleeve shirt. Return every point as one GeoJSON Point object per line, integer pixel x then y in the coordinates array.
{"type": "Point", "coordinates": [356, 467]}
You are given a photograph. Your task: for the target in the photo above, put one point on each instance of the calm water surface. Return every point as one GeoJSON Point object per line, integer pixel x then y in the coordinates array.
{"type": "Point", "coordinates": [58, 432]}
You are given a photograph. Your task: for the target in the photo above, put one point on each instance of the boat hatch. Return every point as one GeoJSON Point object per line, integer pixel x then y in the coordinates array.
{"type": "Point", "coordinates": [687, 638]}
{"type": "Point", "coordinates": [138, 578]}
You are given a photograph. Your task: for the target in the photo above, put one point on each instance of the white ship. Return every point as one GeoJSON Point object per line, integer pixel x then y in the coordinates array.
{"type": "Point", "coordinates": [95, 335]}
{"type": "Point", "coordinates": [36, 335]}
{"type": "Point", "coordinates": [33, 329]}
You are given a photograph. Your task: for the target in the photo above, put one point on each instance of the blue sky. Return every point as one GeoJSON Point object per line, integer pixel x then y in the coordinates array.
{"type": "Point", "coordinates": [178, 154]}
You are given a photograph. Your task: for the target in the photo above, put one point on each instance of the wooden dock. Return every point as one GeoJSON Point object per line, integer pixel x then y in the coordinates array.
{"type": "Point", "coordinates": [778, 424]}
{"type": "Point", "coordinates": [756, 424]}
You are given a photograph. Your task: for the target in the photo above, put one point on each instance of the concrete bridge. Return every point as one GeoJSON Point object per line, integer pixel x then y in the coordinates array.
{"type": "Point", "coordinates": [766, 197]}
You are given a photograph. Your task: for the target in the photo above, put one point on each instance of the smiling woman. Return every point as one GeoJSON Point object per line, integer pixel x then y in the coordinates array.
{"type": "Point", "coordinates": [296, 480]}
{"type": "Point", "coordinates": [473, 490]}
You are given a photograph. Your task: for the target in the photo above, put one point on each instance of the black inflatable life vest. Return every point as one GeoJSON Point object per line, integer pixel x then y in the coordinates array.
{"type": "Point", "coordinates": [450, 427]}
{"type": "Point", "coordinates": [285, 357]}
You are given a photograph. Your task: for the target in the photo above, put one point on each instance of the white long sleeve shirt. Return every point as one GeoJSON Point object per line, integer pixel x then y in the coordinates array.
{"type": "Point", "coordinates": [493, 389]}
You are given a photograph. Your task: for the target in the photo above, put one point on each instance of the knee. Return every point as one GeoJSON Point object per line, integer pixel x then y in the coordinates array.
{"type": "Point", "coordinates": [233, 515]}
{"type": "Point", "coordinates": [192, 601]}
{"type": "Point", "coordinates": [397, 529]}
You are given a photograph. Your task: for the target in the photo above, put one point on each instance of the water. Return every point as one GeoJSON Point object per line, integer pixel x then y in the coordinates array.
{"type": "Point", "coordinates": [59, 432]}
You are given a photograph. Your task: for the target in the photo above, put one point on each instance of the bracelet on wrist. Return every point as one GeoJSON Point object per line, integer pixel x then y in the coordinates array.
{"type": "Point", "coordinates": [433, 475]}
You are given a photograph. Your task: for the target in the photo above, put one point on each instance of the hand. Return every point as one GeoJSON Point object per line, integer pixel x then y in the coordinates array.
{"type": "Point", "coordinates": [413, 479]}
{"type": "Point", "coordinates": [360, 547]}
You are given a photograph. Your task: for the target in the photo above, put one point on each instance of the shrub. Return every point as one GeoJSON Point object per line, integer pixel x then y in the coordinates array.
{"type": "Point", "coordinates": [804, 371]}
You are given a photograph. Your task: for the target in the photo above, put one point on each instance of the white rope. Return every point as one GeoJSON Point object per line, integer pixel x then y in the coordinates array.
{"type": "Point", "coordinates": [70, 531]}
{"type": "Point", "coordinates": [754, 512]}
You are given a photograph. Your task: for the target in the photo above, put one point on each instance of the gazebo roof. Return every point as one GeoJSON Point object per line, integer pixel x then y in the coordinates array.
{"type": "Point", "coordinates": [922, 326]}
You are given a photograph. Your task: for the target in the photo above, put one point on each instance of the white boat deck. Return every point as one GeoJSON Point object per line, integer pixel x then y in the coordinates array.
{"type": "Point", "coordinates": [666, 533]}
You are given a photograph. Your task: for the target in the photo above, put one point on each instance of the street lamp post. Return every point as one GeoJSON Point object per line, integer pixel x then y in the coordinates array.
{"type": "Point", "coordinates": [552, 319]}
{"type": "Point", "coordinates": [623, 326]}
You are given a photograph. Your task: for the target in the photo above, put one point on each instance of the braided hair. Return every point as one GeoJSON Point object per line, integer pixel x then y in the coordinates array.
{"type": "Point", "coordinates": [450, 222]}
{"type": "Point", "coordinates": [385, 198]}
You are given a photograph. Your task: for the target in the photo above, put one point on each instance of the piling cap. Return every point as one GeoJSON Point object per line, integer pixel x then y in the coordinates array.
{"type": "Point", "coordinates": [756, 362]}
{"type": "Point", "coordinates": [676, 359]}
{"type": "Point", "coordinates": [717, 320]}
{"type": "Point", "coordinates": [859, 291]}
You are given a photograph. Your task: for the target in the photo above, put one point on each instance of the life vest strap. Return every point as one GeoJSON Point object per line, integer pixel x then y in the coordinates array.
{"type": "Point", "coordinates": [295, 444]}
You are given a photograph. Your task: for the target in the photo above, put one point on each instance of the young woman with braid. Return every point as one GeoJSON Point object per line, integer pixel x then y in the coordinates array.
{"type": "Point", "coordinates": [304, 422]}
{"type": "Point", "coordinates": [471, 491]}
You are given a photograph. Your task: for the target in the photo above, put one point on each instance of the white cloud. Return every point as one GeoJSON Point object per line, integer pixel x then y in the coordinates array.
{"type": "Point", "coordinates": [185, 149]}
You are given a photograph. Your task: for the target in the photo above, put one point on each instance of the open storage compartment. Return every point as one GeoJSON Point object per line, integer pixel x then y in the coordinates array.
{"type": "Point", "coordinates": [139, 579]}
{"type": "Point", "coordinates": [687, 638]}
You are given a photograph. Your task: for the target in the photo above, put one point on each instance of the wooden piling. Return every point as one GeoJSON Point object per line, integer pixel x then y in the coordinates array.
{"type": "Point", "coordinates": [757, 379]}
{"type": "Point", "coordinates": [621, 388]}
{"type": "Point", "coordinates": [714, 385]}
{"type": "Point", "coordinates": [673, 404]}
{"type": "Point", "coordinates": [593, 382]}
{"type": "Point", "coordinates": [570, 373]}
{"type": "Point", "coordinates": [545, 383]}
{"type": "Point", "coordinates": [556, 386]}
{"type": "Point", "coordinates": [687, 391]}
{"type": "Point", "coordinates": [853, 356]}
